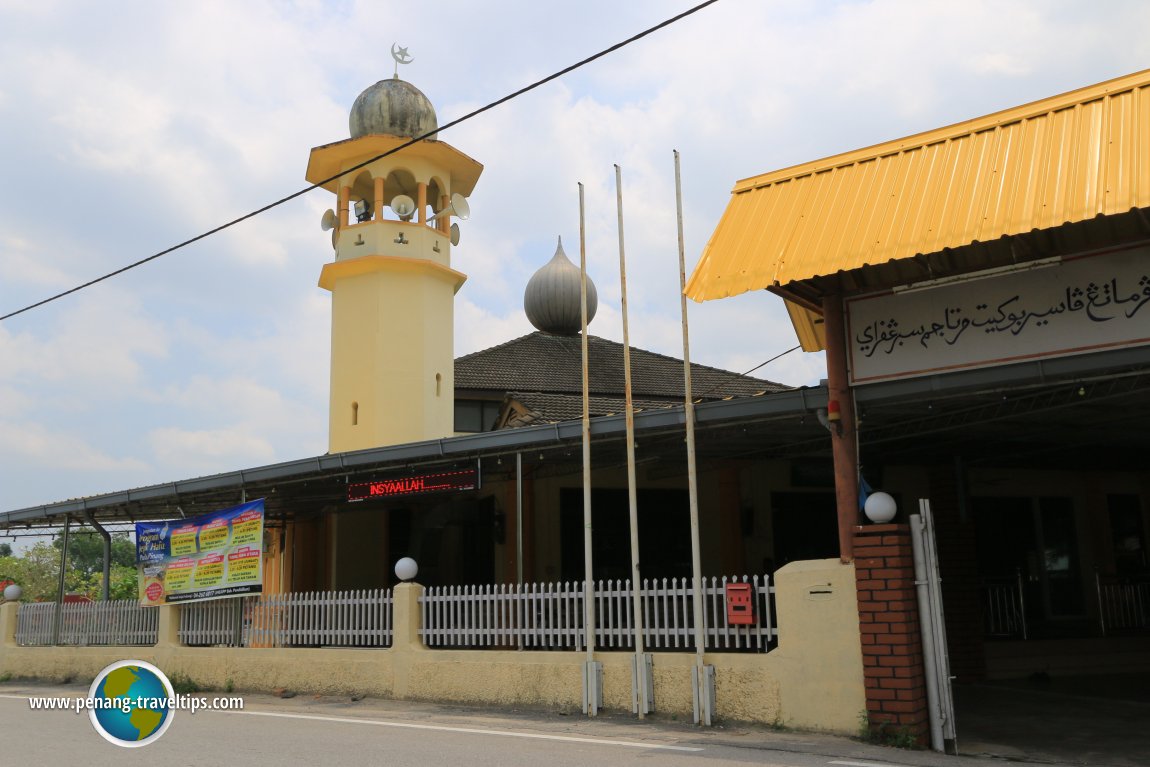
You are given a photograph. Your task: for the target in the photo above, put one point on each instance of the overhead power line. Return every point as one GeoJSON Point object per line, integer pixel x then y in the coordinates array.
{"type": "Point", "coordinates": [700, 397]}
{"type": "Point", "coordinates": [772, 359]}
{"type": "Point", "coordinates": [429, 134]}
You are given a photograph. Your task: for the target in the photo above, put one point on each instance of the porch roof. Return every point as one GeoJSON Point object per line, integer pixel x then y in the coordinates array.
{"type": "Point", "coordinates": [1062, 160]}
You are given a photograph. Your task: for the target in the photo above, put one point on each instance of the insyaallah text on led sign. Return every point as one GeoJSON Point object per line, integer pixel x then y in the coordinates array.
{"type": "Point", "coordinates": [415, 484]}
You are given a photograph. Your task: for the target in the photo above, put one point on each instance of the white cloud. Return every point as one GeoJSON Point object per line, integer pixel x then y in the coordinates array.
{"type": "Point", "coordinates": [32, 443]}
{"type": "Point", "coordinates": [999, 63]}
{"type": "Point", "coordinates": [103, 344]}
{"type": "Point", "coordinates": [209, 450]}
{"type": "Point", "coordinates": [477, 329]}
{"type": "Point", "coordinates": [19, 264]}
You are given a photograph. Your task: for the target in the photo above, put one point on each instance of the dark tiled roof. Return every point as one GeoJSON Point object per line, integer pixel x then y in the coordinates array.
{"type": "Point", "coordinates": [552, 364]}
{"type": "Point", "coordinates": [556, 408]}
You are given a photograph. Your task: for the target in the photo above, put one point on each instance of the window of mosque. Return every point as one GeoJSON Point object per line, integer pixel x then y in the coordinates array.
{"type": "Point", "coordinates": [473, 415]}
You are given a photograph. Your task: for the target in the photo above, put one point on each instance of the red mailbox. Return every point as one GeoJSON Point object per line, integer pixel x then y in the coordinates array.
{"type": "Point", "coordinates": [740, 605]}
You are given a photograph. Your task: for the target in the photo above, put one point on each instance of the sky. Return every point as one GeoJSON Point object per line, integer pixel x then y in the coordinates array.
{"type": "Point", "coordinates": [128, 127]}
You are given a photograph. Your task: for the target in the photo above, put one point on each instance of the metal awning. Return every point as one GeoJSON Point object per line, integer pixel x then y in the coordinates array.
{"type": "Point", "coordinates": [307, 485]}
{"type": "Point", "coordinates": [1084, 412]}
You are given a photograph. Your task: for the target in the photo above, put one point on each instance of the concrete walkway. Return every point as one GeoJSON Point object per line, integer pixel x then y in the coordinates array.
{"type": "Point", "coordinates": [1089, 720]}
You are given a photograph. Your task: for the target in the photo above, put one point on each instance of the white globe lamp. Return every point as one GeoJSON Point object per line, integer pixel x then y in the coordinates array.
{"type": "Point", "coordinates": [12, 593]}
{"type": "Point", "coordinates": [880, 507]}
{"type": "Point", "coordinates": [406, 569]}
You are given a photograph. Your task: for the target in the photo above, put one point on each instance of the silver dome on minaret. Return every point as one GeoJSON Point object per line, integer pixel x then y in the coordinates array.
{"type": "Point", "coordinates": [551, 299]}
{"type": "Point", "coordinates": [393, 107]}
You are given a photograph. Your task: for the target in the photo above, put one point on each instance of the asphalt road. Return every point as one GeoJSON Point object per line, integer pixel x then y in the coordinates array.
{"type": "Point", "coordinates": [335, 731]}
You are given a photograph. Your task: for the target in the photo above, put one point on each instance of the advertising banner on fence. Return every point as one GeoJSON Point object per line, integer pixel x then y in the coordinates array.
{"type": "Point", "coordinates": [212, 556]}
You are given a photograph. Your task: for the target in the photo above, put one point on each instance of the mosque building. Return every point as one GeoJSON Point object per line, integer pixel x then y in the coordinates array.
{"type": "Point", "coordinates": [503, 423]}
{"type": "Point", "coordinates": [978, 290]}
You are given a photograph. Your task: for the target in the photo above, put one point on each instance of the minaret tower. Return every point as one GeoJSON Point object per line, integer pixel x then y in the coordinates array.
{"type": "Point", "coordinates": [391, 283]}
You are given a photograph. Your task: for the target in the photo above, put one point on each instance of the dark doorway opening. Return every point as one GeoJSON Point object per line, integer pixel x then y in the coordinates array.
{"type": "Point", "coordinates": [1034, 541]}
{"type": "Point", "coordinates": [805, 526]}
{"type": "Point", "coordinates": [664, 533]}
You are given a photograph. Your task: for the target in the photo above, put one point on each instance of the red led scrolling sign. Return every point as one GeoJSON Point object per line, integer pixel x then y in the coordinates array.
{"type": "Point", "coordinates": [415, 484]}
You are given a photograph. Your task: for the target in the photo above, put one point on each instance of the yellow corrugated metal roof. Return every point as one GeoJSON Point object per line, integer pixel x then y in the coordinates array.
{"type": "Point", "coordinates": [1064, 159]}
{"type": "Point", "coordinates": [809, 327]}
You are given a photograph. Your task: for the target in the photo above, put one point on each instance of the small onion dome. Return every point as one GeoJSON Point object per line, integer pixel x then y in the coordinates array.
{"type": "Point", "coordinates": [552, 298]}
{"type": "Point", "coordinates": [393, 107]}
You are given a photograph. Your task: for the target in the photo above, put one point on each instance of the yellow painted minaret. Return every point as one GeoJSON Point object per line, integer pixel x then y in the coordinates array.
{"type": "Point", "coordinates": [392, 285]}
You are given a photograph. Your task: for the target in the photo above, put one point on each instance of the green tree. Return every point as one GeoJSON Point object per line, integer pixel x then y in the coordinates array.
{"type": "Point", "coordinates": [37, 569]}
{"type": "Point", "coordinates": [5, 550]}
{"type": "Point", "coordinates": [86, 551]}
{"type": "Point", "coordinates": [124, 583]}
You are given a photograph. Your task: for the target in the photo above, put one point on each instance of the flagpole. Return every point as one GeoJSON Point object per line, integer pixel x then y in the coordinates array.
{"type": "Point", "coordinates": [591, 674]}
{"type": "Point", "coordinates": [701, 686]}
{"type": "Point", "coordinates": [640, 676]}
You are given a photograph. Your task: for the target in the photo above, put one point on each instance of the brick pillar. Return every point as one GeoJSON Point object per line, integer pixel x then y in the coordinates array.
{"type": "Point", "coordinates": [891, 637]}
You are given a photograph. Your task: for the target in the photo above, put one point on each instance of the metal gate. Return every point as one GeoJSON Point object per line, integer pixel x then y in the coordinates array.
{"type": "Point", "coordinates": [940, 697]}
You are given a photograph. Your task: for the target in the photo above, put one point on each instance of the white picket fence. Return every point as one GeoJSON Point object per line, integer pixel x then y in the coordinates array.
{"type": "Point", "coordinates": [550, 616]}
{"type": "Point", "coordinates": [330, 619]}
{"type": "Point", "coordinates": [300, 619]}
{"type": "Point", "coordinates": [215, 622]}
{"type": "Point", "coordinates": [118, 622]}
{"type": "Point", "coordinates": [532, 616]}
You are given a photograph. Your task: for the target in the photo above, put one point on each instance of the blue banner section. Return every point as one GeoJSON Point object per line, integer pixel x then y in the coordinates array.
{"type": "Point", "coordinates": [205, 557]}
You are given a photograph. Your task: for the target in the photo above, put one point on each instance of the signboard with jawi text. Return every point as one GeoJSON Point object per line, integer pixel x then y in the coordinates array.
{"type": "Point", "coordinates": [1077, 305]}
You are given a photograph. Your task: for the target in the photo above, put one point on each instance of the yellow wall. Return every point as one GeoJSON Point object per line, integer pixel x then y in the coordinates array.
{"type": "Point", "coordinates": [813, 680]}
{"type": "Point", "coordinates": [392, 328]}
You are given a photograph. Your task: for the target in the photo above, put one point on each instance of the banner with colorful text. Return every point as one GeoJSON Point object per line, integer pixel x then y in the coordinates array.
{"type": "Point", "coordinates": [212, 556]}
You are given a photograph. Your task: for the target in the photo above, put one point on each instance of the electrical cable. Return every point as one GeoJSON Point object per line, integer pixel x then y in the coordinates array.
{"type": "Point", "coordinates": [752, 370]}
{"type": "Point", "coordinates": [429, 134]}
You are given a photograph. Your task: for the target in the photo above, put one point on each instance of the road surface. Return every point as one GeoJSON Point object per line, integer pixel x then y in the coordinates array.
{"type": "Point", "coordinates": [274, 732]}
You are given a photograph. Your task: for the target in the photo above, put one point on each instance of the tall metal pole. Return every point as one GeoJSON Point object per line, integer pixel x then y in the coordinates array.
{"type": "Point", "coordinates": [60, 586]}
{"type": "Point", "coordinates": [519, 518]}
{"type": "Point", "coordinates": [632, 501]}
{"type": "Point", "coordinates": [701, 687]}
{"type": "Point", "coordinates": [588, 574]}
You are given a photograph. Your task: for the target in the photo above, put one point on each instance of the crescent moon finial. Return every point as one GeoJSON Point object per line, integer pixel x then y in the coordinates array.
{"type": "Point", "coordinates": [401, 56]}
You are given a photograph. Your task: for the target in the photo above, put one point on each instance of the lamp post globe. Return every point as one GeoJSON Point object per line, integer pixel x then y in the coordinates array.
{"type": "Point", "coordinates": [406, 569]}
{"type": "Point", "coordinates": [880, 507]}
{"type": "Point", "coordinates": [12, 593]}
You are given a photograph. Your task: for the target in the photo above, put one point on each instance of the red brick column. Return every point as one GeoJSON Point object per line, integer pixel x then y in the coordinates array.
{"type": "Point", "coordinates": [891, 636]}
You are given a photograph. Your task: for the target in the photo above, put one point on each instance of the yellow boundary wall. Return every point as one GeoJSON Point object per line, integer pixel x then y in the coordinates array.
{"type": "Point", "coordinates": [812, 680]}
